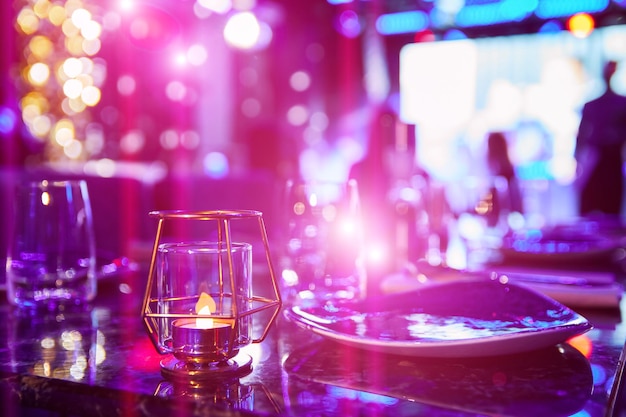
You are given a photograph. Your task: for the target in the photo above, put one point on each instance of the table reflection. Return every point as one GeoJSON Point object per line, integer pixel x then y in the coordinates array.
{"type": "Point", "coordinates": [227, 394]}
{"type": "Point", "coordinates": [556, 381]}
{"type": "Point", "coordinates": [63, 344]}
{"type": "Point", "coordinates": [100, 362]}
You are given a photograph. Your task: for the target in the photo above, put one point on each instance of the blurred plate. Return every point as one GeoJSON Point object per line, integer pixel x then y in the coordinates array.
{"type": "Point", "coordinates": [571, 243]}
{"type": "Point", "coordinates": [468, 318]}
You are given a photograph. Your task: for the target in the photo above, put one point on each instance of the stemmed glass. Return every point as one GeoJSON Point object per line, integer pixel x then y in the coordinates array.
{"type": "Point", "coordinates": [323, 242]}
{"type": "Point", "coordinates": [483, 206]}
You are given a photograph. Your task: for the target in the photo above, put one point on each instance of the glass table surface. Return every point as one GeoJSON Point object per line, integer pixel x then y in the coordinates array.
{"type": "Point", "coordinates": [99, 361]}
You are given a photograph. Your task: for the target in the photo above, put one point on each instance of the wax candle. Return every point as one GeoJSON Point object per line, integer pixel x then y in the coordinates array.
{"type": "Point", "coordinates": [201, 339]}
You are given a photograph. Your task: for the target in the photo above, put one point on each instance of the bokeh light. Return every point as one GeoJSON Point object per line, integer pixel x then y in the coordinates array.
{"type": "Point", "coordinates": [190, 139]}
{"type": "Point", "coordinates": [551, 26]}
{"type": "Point", "coordinates": [349, 24]}
{"type": "Point", "coordinates": [581, 25]}
{"type": "Point", "coordinates": [175, 91]}
{"type": "Point", "coordinates": [297, 115]}
{"type": "Point", "coordinates": [251, 107]}
{"type": "Point", "coordinates": [151, 28]}
{"type": "Point", "coordinates": [8, 120]}
{"type": "Point", "coordinates": [72, 67]}
{"type": "Point", "coordinates": [133, 142]}
{"type": "Point", "coordinates": [216, 6]}
{"type": "Point", "coordinates": [300, 80]}
{"type": "Point", "coordinates": [197, 55]}
{"type": "Point", "coordinates": [168, 139]}
{"type": "Point", "coordinates": [39, 73]}
{"type": "Point", "coordinates": [41, 47]}
{"type": "Point", "coordinates": [60, 79]}
{"type": "Point", "coordinates": [126, 85]}
{"type": "Point", "coordinates": [242, 30]}
{"type": "Point", "coordinates": [216, 165]}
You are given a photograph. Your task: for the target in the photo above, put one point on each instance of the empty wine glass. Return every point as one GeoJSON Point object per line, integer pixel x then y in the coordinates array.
{"type": "Point", "coordinates": [483, 209]}
{"type": "Point", "coordinates": [323, 242]}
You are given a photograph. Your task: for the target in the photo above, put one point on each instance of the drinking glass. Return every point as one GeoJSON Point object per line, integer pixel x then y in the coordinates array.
{"type": "Point", "coordinates": [433, 215]}
{"type": "Point", "coordinates": [195, 278]}
{"type": "Point", "coordinates": [51, 258]}
{"type": "Point", "coordinates": [323, 247]}
{"type": "Point", "coordinates": [483, 218]}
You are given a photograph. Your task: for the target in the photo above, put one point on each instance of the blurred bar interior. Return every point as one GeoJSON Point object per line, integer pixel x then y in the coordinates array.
{"type": "Point", "coordinates": [232, 97]}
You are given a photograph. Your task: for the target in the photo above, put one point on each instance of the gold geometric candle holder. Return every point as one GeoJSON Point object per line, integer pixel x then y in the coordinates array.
{"type": "Point", "coordinates": [200, 298]}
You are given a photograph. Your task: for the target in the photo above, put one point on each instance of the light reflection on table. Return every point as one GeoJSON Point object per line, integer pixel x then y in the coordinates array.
{"type": "Point", "coordinates": [82, 363]}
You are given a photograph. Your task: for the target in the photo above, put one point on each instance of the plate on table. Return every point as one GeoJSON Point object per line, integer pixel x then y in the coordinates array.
{"type": "Point", "coordinates": [466, 318]}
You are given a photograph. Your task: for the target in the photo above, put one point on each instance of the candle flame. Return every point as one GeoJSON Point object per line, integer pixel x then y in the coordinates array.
{"type": "Point", "coordinates": [205, 305]}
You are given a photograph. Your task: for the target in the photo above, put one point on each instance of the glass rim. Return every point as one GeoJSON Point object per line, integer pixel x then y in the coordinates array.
{"type": "Point", "coordinates": [203, 247]}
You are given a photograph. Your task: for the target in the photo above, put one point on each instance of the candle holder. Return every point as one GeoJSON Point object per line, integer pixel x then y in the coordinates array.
{"type": "Point", "coordinates": [228, 394]}
{"type": "Point", "coordinates": [200, 300]}
{"type": "Point", "coordinates": [225, 393]}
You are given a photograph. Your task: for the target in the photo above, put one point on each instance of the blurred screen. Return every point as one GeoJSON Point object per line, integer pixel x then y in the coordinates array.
{"type": "Point", "coordinates": [532, 87]}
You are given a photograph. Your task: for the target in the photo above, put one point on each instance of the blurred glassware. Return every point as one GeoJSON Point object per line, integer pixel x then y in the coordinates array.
{"type": "Point", "coordinates": [484, 217]}
{"type": "Point", "coordinates": [52, 258]}
{"type": "Point", "coordinates": [433, 217]}
{"type": "Point", "coordinates": [323, 243]}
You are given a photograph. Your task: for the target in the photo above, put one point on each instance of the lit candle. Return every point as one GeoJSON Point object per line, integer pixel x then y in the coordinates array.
{"type": "Point", "coordinates": [201, 339]}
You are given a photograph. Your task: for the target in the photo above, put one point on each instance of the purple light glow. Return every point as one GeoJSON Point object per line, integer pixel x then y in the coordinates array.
{"type": "Point", "coordinates": [151, 28]}
{"type": "Point", "coordinates": [8, 120]}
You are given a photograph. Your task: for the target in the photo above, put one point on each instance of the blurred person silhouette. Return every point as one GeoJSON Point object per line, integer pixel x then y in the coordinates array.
{"type": "Point", "coordinates": [599, 145]}
{"type": "Point", "coordinates": [373, 172]}
{"type": "Point", "coordinates": [384, 177]}
{"type": "Point", "coordinates": [500, 165]}
{"type": "Point", "coordinates": [374, 183]}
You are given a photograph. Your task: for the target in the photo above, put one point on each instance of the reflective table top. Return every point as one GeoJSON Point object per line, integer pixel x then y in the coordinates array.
{"type": "Point", "coordinates": [99, 361]}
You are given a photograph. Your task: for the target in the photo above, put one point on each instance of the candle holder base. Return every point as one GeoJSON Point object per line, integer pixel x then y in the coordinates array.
{"type": "Point", "coordinates": [185, 371]}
